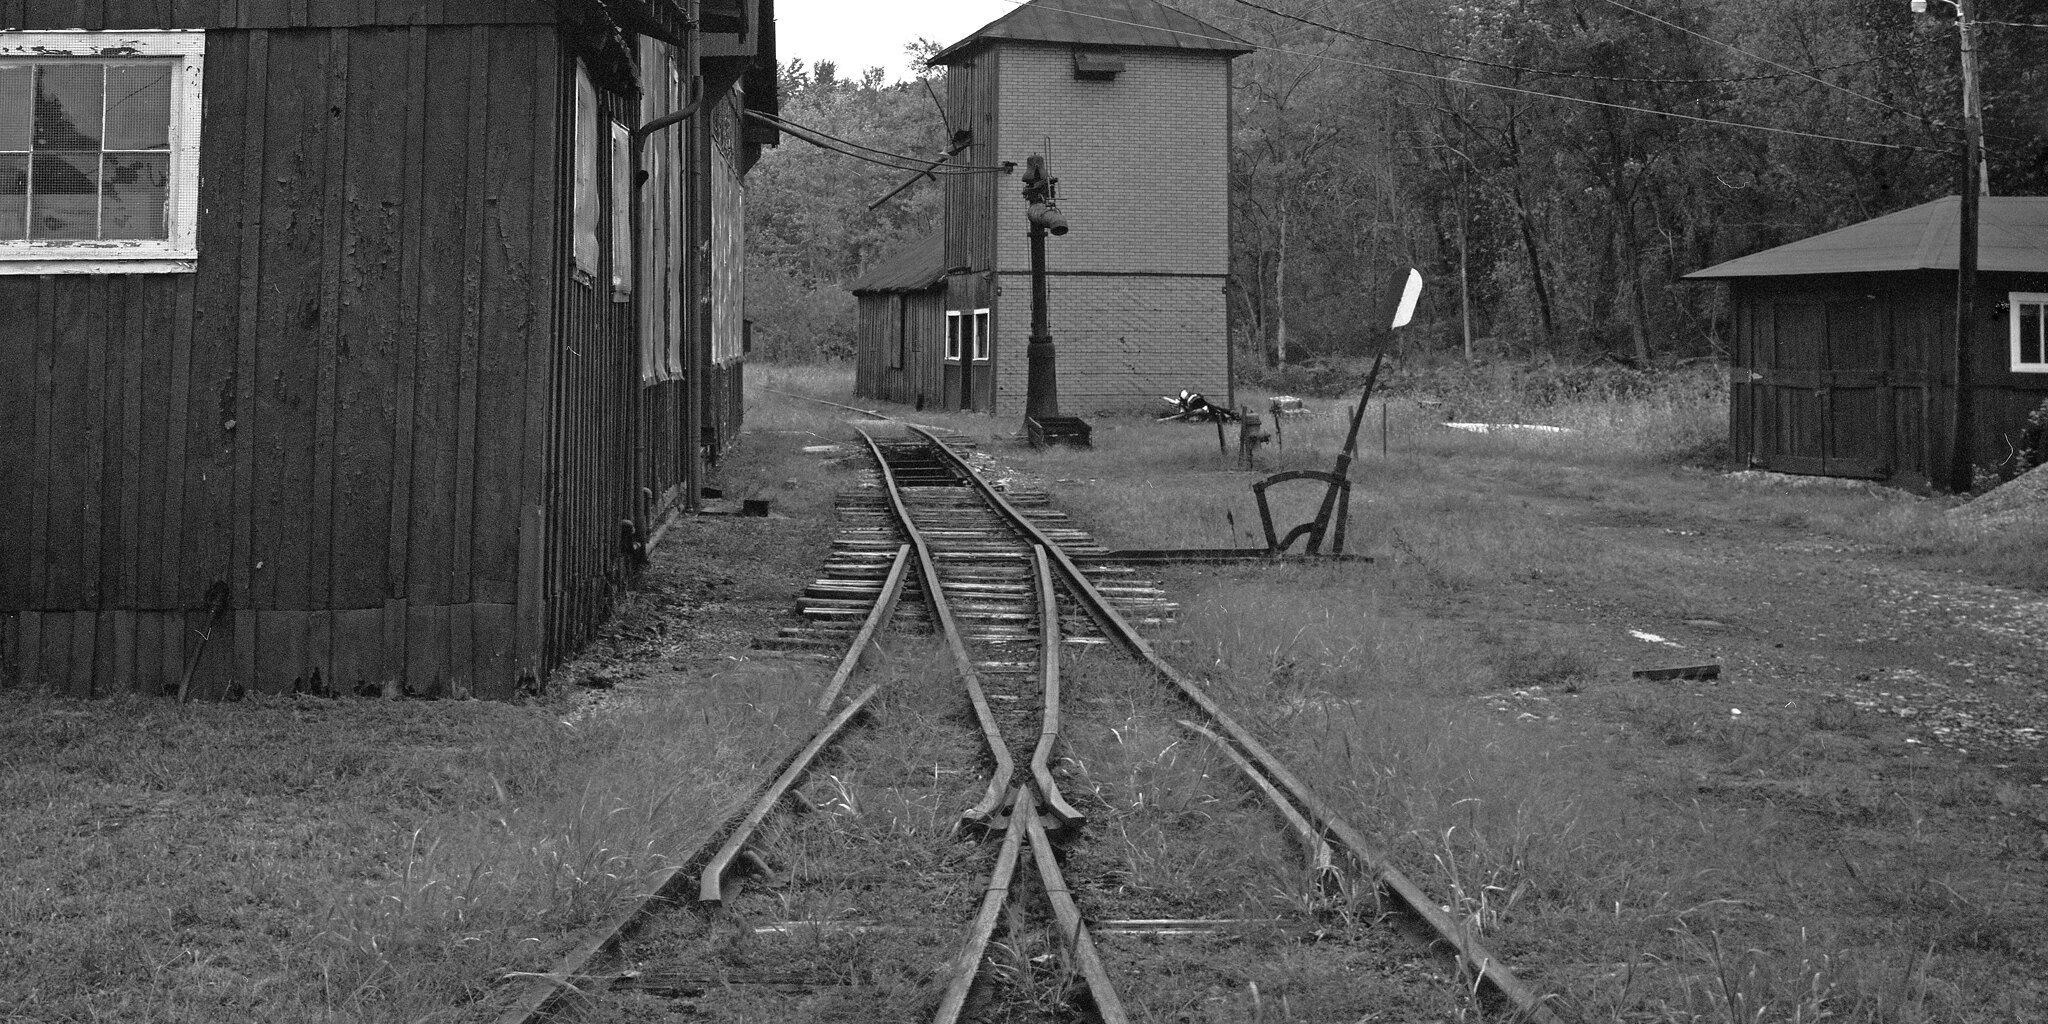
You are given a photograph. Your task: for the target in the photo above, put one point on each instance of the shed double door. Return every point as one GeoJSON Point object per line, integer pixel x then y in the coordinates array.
{"type": "Point", "coordinates": [1821, 380]}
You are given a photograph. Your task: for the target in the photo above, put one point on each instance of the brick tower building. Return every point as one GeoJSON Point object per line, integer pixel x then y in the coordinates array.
{"type": "Point", "coordinates": [1129, 101]}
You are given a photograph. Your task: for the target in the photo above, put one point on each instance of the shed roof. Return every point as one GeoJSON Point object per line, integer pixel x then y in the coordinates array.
{"type": "Point", "coordinates": [1121, 23]}
{"type": "Point", "coordinates": [914, 267]}
{"type": "Point", "coordinates": [2012, 236]}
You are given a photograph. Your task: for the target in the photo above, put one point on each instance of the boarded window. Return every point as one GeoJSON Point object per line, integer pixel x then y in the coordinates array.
{"type": "Point", "coordinates": [622, 213]}
{"type": "Point", "coordinates": [2029, 320]}
{"type": "Point", "coordinates": [953, 329]}
{"type": "Point", "coordinates": [99, 151]}
{"type": "Point", "coordinates": [981, 335]}
{"type": "Point", "coordinates": [587, 202]}
{"type": "Point", "coordinates": [728, 301]}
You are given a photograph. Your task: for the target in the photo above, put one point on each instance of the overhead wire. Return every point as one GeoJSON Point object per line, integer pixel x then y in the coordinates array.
{"type": "Point", "coordinates": [1477, 84]}
{"type": "Point", "coordinates": [1924, 119]}
{"type": "Point", "coordinates": [1555, 72]}
{"type": "Point", "coordinates": [895, 161]}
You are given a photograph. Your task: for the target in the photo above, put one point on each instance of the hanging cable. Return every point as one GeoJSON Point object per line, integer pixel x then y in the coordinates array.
{"type": "Point", "coordinates": [1557, 73]}
{"type": "Point", "coordinates": [1386, 69]}
{"type": "Point", "coordinates": [894, 161]}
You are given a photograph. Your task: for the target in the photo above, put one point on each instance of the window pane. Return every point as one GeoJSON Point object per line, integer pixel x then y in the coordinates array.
{"type": "Point", "coordinates": [2031, 317]}
{"type": "Point", "coordinates": [13, 196]}
{"type": "Point", "coordinates": [68, 105]}
{"type": "Point", "coordinates": [136, 185]}
{"type": "Point", "coordinates": [15, 106]}
{"type": "Point", "coordinates": [67, 196]}
{"type": "Point", "coordinates": [139, 106]}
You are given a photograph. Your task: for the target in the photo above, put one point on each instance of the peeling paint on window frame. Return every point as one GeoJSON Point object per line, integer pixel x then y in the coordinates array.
{"type": "Point", "coordinates": [180, 252]}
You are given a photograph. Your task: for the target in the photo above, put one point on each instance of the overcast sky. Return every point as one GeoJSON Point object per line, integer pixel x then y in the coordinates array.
{"type": "Point", "coordinates": [860, 35]}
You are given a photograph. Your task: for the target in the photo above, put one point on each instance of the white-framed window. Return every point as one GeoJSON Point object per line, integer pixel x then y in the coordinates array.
{"type": "Point", "coordinates": [2029, 318]}
{"type": "Point", "coordinates": [954, 326]}
{"type": "Point", "coordinates": [583, 244]}
{"type": "Point", "coordinates": [99, 151]}
{"type": "Point", "coordinates": [981, 335]}
{"type": "Point", "coordinates": [622, 213]}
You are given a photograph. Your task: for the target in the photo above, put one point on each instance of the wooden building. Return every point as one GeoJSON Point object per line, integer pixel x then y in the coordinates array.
{"type": "Point", "coordinates": [902, 320]}
{"type": "Point", "coordinates": [1844, 344]}
{"type": "Point", "coordinates": [1129, 101]}
{"type": "Point", "coordinates": [344, 353]}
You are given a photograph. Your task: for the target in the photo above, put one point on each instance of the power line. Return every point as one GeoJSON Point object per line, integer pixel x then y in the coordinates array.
{"type": "Point", "coordinates": [1506, 88]}
{"type": "Point", "coordinates": [1754, 56]}
{"type": "Point", "coordinates": [894, 161]}
{"type": "Point", "coordinates": [1553, 72]}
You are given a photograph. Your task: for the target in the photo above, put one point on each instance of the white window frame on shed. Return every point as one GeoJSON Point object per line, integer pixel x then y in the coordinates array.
{"type": "Point", "coordinates": [177, 252]}
{"type": "Point", "coordinates": [954, 335]}
{"type": "Point", "coordinates": [981, 335]}
{"type": "Point", "coordinates": [2028, 315]}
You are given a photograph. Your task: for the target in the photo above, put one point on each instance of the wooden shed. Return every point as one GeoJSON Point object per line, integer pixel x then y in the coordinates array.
{"type": "Point", "coordinates": [1129, 100]}
{"type": "Point", "coordinates": [902, 319]}
{"type": "Point", "coordinates": [345, 353]}
{"type": "Point", "coordinates": [1843, 355]}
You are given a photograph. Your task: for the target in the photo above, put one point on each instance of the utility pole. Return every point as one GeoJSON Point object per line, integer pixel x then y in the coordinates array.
{"type": "Point", "coordinates": [1976, 182]}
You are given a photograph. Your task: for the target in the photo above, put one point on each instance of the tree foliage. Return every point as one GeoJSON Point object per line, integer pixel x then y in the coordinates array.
{"type": "Point", "coordinates": [1566, 160]}
{"type": "Point", "coordinates": [809, 228]}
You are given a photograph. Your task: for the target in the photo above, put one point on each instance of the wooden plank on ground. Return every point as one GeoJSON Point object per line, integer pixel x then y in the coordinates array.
{"type": "Point", "coordinates": [10, 649]}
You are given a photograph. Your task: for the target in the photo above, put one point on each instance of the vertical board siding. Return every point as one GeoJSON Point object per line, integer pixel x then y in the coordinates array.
{"type": "Point", "coordinates": [261, 14]}
{"type": "Point", "coordinates": [329, 421]}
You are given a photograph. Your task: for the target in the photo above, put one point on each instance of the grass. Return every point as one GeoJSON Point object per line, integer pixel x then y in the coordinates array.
{"type": "Point", "coordinates": [1642, 851]}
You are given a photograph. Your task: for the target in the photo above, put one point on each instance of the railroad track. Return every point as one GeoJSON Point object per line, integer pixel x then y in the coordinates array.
{"type": "Point", "coordinates": [1094, 839]}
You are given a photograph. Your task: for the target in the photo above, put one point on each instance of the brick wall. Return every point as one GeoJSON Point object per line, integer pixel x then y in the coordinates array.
{"type": "Point", "coordinates": [1121, 341]}
{"type": "Point", "coordinates": [1144, 181]}
{"type": "Point", "coordinates": [1143, 159]}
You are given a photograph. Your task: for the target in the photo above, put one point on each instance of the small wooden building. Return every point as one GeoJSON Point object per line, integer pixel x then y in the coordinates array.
{"type": "Point", "coordinates": [343, 351]}
{"type": "Point", "coordinates": [1129, 101]}
{"type": "Point", "coordinates": [902, 319]}
{"type": "Point", "coordinates": [1842, 362]}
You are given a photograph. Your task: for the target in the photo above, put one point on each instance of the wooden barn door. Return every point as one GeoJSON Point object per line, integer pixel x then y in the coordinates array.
{"type": "Point", "coordinates": [1824, 405]}
{"type": "Point", "coordinates": [1855, 439]}
{"type": "Point", "coordinates": [1789, 440]}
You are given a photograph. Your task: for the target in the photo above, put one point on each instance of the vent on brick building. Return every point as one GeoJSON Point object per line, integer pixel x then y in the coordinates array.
{"type": "Point", "coordinates": [1096, 66]}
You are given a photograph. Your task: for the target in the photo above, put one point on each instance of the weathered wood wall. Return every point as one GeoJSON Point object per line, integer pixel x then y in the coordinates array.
{"type": "Point", "coordinates": [1851, 375]}
{"type": "Point", "coordinates": [913, 323]}
{"type": "Point", "coordinates": [127, 14]}
{"type": "Point", "coordinates": [335, 428]}
{"type": "Point", "coordinates": [972, 94]}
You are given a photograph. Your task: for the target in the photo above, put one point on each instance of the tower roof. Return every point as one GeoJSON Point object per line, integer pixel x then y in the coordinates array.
{"type": "Point", "coordinates": [1110, 23]}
